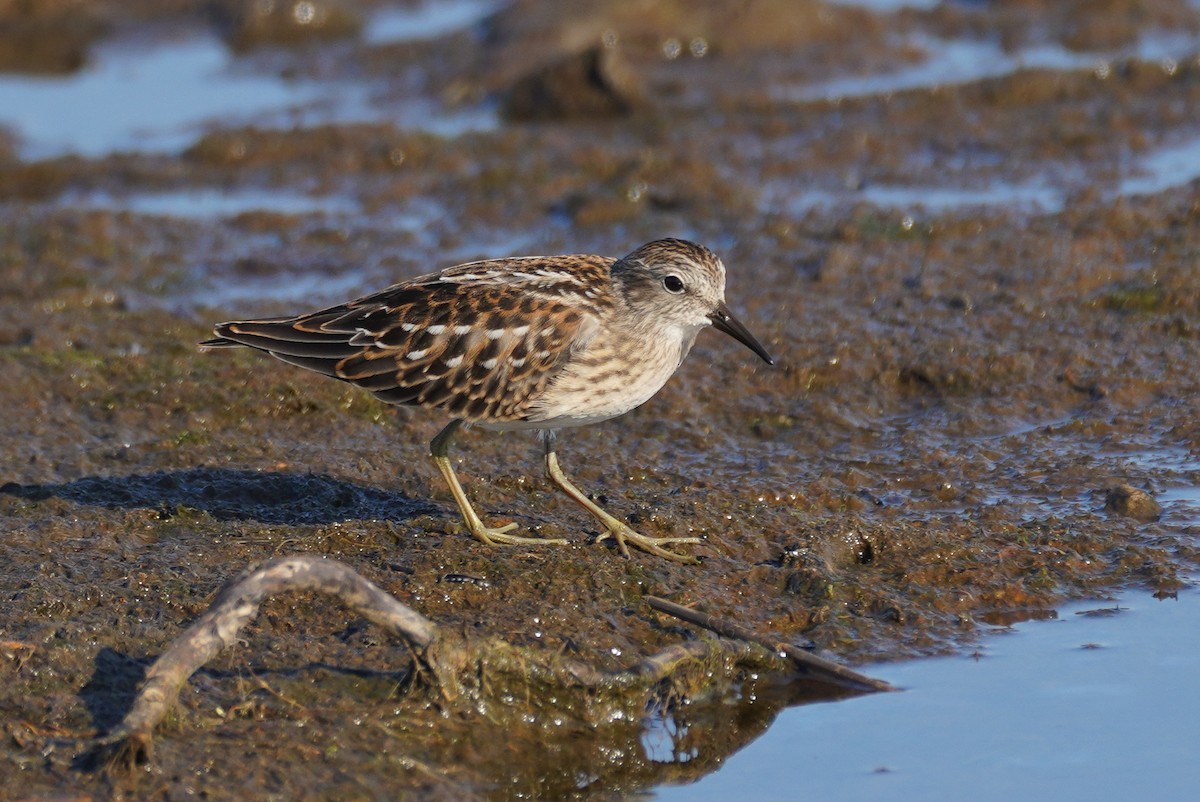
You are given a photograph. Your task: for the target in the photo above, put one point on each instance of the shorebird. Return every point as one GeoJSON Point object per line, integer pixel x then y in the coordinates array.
{"type": "Point", "coordinates": [528, 342]}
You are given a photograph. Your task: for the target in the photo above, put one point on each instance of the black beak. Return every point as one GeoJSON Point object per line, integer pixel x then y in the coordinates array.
{"type": "Point", "coordinates": [723, 320]}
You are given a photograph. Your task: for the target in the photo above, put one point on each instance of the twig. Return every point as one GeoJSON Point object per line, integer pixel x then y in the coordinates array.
{"type": "Point", "coordinates": [806, 662]}
{"type": "Point", "coordinates": [446, 658]}
{"type": "Point", "coordinates": [235, 607]}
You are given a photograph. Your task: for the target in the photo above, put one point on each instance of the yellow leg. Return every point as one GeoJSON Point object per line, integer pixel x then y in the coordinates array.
{"type": "Point", "coordinates": [438, 448]}
{"type": "Point", "coordinates": [616, 529]}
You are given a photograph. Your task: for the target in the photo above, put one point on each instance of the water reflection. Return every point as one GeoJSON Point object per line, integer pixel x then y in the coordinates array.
{"type": "Point", "coordinates": [1078, 707]}
{"type": "Point", "coordinates": [1092, 701]}
{"type": "Point", "coordinates": [687, 740]}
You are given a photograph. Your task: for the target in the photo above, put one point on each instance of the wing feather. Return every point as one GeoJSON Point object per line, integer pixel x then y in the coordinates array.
{"type": "Point", "coordinates": [479, 341]}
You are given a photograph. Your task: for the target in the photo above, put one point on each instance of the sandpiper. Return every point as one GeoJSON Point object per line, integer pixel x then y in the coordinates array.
{"type": "Point", "coordinates": [529, 342]}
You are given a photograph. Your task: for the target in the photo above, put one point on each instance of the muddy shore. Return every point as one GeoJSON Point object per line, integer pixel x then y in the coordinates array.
{"type": "Point", "coordinates": [959, 387]}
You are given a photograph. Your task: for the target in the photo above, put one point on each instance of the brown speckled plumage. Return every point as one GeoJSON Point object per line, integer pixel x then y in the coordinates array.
{"type": "Point", "coordinates": [479, 340]}
{"type": "Point", "coordinates": [526, 342]}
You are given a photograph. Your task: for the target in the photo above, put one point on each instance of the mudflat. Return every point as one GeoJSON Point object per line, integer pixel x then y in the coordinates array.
{"type": "Point", "coordinates": [983, 296]}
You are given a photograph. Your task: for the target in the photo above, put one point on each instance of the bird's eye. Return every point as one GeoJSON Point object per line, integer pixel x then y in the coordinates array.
{"type": "Point", "coordinates": [673, 284]}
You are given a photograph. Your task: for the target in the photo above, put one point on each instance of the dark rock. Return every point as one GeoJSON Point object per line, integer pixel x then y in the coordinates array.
{"type": "Point", "coordinates": [1133, 503]}
{"type": "Point", "coordinates": [593, 83]}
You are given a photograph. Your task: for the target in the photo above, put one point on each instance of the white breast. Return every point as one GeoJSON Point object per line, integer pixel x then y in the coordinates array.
{"type": "Point", "coordinates": [609, 378]}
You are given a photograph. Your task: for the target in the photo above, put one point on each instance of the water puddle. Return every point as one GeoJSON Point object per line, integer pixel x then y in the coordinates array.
{"type": "Point", "coordinates": [144, 96]}
{"type": "Point", "coordinates": [211, 203]}
{"type": "Point", "coordinates": [1035, 196]}
{"type": "Point", "coordinates": [1168, 167]}
{"type": "Point", "coordinates": [428, 20]}
{"type": "Point", "coordinates": [1096, 703]}
{"type": "Point", "coordinates": [1032, 194]}
{"type": "Point", "coordinates": [1174, 474]}
{"type": "Point", "coordinates": [159, 96]}
{"type": "Point", "coordinates": [961, 61]}
{"type": "Point", "coordinates": [1182, 502]}
{"type": "Point", "coordinates": [1172, 165]}
{"type": "Point", "coordinates": [952, 62]}
{"type": "Point", "coordinates": [1093, 701]}
{"type": "Point", "coordinates": [947, 63]}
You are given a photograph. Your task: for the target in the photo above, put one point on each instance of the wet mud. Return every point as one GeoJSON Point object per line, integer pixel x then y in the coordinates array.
{"type": "Point", "coordinates": [962, 390]}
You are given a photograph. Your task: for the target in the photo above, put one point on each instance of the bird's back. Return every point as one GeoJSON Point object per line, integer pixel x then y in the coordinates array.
{"type": "Point", "coordinates": [480, 341]}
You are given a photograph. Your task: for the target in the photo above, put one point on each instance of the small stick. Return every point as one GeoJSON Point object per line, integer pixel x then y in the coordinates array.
{"type": "Point", "coordinates": [236, 606]}
{"type": "Point", "coordinates": [805, 661]}
{"type": "Point", "coordinates": [238, 603]}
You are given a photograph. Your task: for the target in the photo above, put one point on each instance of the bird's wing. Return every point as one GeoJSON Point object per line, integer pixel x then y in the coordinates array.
{"type": "Point", "coordinates": [479, 341]}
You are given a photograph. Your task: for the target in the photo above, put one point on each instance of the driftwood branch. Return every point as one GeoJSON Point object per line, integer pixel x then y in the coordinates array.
{"type": "Point", "coordinates": [445, 658]}
{"type": "Point", "coordinates": [809, 664]}
{"type": "Point", "coordinates": [235, 606]}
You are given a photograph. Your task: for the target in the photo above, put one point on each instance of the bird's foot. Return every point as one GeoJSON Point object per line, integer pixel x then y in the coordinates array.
{"type": "Point", "coordinates": [651, 545]}
{"type": "Point", "coordinates": [498, 536]}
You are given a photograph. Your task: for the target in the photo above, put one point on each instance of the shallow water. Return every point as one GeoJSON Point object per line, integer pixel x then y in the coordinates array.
{"type": "Point", "coordinates": [135, 94]}
{"type": "Point", "coordinates": [427, 20]}
{"type": "Point", "coordinates": [1094, 700]}
{"type": "Point", "coordinates": [1034, 196]}
{"type": "Point", "coordinates": [949, 62]}
{"type": "Point", "coordinates": [160, 95]}
{"type": "Point", "coordinates": [1170, 165]}
{"type": "Point", "coordinates": [1097, 703]}
{"type": "Point", "coordinates": [209, 202]}
{"type": "Point", "coordinates": [946, 63]}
